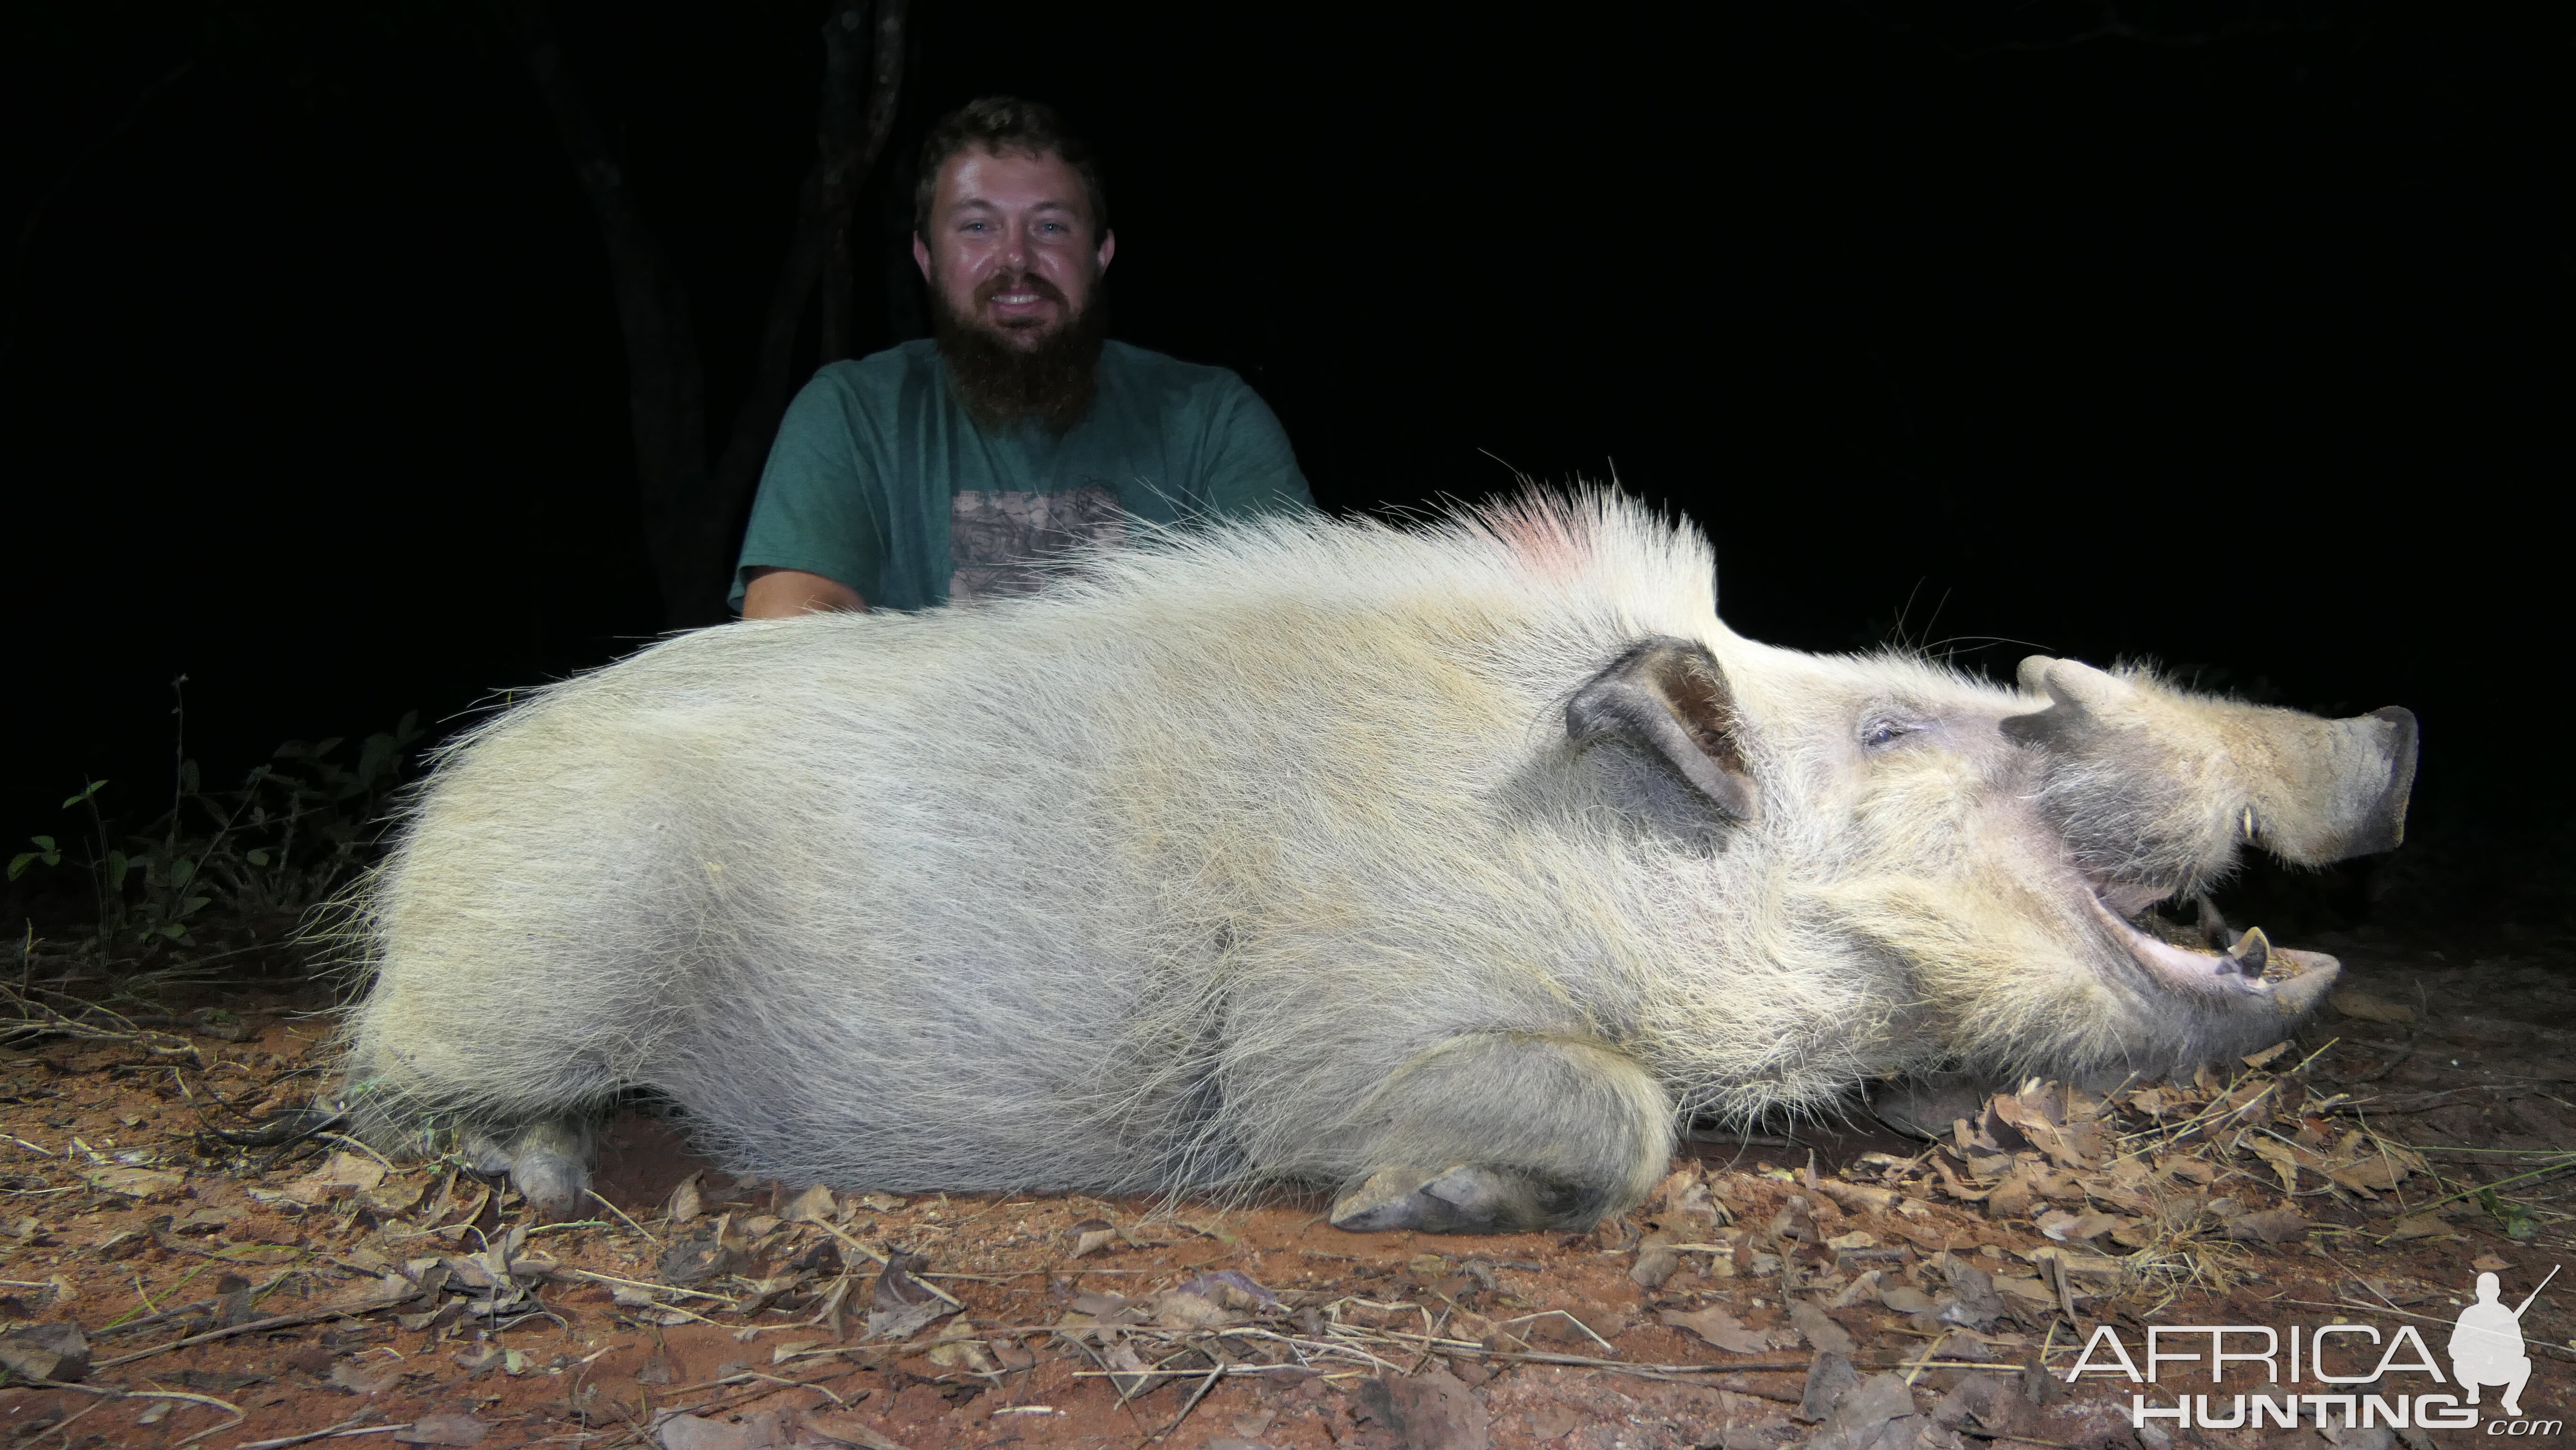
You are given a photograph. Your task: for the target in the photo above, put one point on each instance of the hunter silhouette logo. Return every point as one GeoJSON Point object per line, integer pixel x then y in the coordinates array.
{"type": "Point", "coordinates": [2486, 1349]}
{"type": "Point", "coordinates": [2486, 1345]}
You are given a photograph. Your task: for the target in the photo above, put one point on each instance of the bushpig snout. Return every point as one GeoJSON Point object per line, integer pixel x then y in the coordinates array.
{"type": "Point", "coordinates": [2190, 779]}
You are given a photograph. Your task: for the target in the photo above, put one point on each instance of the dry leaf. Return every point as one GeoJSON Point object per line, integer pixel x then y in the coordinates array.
{"type": "Point", "coordinates": [2489, 1264]}
{"type": "Point", "coordinates": [686, 1202]}
{"type": "Point", "coordinates": [814, 1205]}
{"type": "Point", "coordinates": [902, 1305]}
{"type": "Point", "coordinates": [2368, 1008]}
{"type": "Point", "coordinates": [2258, 1059]}
{"type": "Point", "coordinates": [2070, 1227]}
{"type": "Point", "coordinates": [1819, 1328]}
{"type": "Point", "coordinates": [1905, 1299]}
{"type": "Point", "coordinates": [2272, 1226]}
{"type": "Point", "coordinates": [340, 1176]}
{"type": "Point", "coordinates": [2373, 1172]}
{"type": "Point", "coordinates": [362, 1379]}
{"type": "Point", "coordinates": [443, 1430]}
{"type": "Point", "coordinates": [1656, 1262]}
{"type": "Point", "coordinates": [1719, 1328]}
{"type": "Point", "coordinates": [135, 1182]}
{"type": "Point", "coordinates": [1131, 1378]}
{"type": "Point", "coordinates": [2030, 1289]}
{"type": "Point", "coordinates": [1092, 1234]}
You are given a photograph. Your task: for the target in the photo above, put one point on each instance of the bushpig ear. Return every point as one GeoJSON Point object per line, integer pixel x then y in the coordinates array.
{"type": "Point", "coordinates": [1669, 696]}
{"type": "Point", "coordinates": [2080, 698]}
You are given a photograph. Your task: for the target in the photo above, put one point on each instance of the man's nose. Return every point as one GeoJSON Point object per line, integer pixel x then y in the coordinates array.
{"type": "Point", "coordinates": [1015, 246]}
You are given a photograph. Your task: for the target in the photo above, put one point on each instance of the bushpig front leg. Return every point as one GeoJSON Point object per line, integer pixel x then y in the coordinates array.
{"type": "Point", "coordinates": [1505, 1131]}
{"type": "Point", "coordinates": [548, 1162]}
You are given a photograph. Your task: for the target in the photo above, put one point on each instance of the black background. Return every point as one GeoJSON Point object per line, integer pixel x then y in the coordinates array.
{"type": "Point", "coordinates": [2233, 336]}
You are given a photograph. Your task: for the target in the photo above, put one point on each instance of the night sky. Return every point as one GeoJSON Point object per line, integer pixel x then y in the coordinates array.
{"type": "Point", "coordinates": [2234, 335]}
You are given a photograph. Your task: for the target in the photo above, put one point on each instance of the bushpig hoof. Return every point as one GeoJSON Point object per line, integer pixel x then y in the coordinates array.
{"type": "Point", "coordinates": [549, 1163]}
{"type": "Point", "coordinates": [1467, 1198]}
{"type": "Point", "coordinates": [1926, 1106]}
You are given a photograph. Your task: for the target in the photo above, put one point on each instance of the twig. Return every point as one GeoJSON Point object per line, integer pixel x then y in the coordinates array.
{"type": "Point", "coordinates": [641, 1284]}
{"type": "Point", "coordinates": [2528, 1344]}
{"type": "Point", "coordinates": [334, 1433]}
{"type": "Point", "coordinates": [278, 1321]}
{"type": "Point", "coordinates": [114, 1393]}
{"type": "Point", "coordinates": [744, 1399]}
{"type": "Point", "coordinates": [1192, 1402]}
{"type": "Point", "coordinates": [621, 1213]}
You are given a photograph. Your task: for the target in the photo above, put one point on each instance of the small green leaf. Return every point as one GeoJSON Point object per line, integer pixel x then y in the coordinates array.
{"type": "Point", "coordinates": [189, 906]}
{"type": "Point", "coordinates": [45, 843]}
{"type": "Point", "coordinates": [182, 871]}
{"type": "Point", "coordinates": [94, 788]}
{"type": "Point", "coordinates": [374, 757]}
{"type": "Point", "coordinates": [19, 863]}
{"type": "Point", "coordinates": [117, 866]}
{"type": "Point", "coordinates": [174, 931]}
{"type": "Point", "coordinates": [257, 856]}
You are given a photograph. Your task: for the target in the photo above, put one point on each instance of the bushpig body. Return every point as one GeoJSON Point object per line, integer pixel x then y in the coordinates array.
{"type": "Point", "coordinates": [1449, 867]}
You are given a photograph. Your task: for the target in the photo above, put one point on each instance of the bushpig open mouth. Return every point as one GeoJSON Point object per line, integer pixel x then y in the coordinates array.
{"type": "Point", "coordinates": [2250, 967]}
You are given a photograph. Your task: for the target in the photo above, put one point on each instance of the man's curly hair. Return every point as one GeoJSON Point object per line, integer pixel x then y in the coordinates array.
{"type": "Point", "coordinates": [1007, 126]}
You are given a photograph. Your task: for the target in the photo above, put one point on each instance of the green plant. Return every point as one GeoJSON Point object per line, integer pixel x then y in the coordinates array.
{"type": "Point", "coordinates": [223, 873]}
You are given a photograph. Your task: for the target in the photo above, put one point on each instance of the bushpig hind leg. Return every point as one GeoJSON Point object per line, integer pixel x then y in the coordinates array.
{"type": "Point", "coordinates": [1500, 1132]}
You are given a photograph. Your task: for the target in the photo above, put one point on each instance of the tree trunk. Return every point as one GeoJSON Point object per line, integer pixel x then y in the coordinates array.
{"type": "Point", "coordinates": [692, 508]}
{"type": "Point", "coordinates": [665, 383]}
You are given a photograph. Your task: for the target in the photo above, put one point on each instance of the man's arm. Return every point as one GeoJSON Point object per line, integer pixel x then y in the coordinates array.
{"type": "Point", "coordinates": [815, 539]}
{"type": "Point", "coordinates": [786, 593]}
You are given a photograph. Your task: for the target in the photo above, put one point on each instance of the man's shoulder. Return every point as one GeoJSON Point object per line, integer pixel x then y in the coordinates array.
{"type": "Point", "coordinates": [1160, 375]}
{"type": "Point", "coordinates": [881, 374]}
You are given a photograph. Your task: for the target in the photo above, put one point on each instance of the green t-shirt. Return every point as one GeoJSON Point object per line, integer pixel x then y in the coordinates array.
{"type": "Point", "coordinates": [880, 481]}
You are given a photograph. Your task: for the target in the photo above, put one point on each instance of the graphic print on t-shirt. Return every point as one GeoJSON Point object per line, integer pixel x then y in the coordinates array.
{"type": "Point", "coordinates": [1004, 542]}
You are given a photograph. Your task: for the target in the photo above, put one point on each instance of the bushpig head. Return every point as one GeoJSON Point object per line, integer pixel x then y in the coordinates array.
{"type": "Point", "coordinates": [2003, 856]}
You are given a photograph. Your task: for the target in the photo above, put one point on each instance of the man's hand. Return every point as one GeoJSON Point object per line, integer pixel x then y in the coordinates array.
{"type": "Point", "coordinates": [786, 593]}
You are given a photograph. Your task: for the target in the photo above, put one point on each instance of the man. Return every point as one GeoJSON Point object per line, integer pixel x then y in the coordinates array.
{"type": "Point", "coordinates": [959, 467]}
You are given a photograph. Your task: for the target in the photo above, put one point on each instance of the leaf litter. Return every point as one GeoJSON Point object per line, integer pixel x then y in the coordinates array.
{"type": "Point", "coordinates": [1855, 1288]}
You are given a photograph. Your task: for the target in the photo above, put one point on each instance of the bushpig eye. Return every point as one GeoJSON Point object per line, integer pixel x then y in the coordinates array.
{"type": "Point", "coordinates": [1878, 734]}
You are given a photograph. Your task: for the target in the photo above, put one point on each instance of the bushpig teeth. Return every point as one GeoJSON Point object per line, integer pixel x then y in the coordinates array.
{"type": "Point", "coordinates": [2213, 926]}
{"type": "Point", "coordinates": [2251, 954]}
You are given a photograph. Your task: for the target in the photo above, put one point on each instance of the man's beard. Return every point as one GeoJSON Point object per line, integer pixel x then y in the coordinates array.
{"type": "Point", "coordinates": [998, 384]}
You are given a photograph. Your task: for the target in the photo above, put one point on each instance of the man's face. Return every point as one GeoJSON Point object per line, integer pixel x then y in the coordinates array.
{"type": "Point", "coordinates": [1012, 247]}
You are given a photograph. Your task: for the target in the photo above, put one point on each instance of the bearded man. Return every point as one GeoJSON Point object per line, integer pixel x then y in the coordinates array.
{"type": "Point", "coordinates": [962, 466]}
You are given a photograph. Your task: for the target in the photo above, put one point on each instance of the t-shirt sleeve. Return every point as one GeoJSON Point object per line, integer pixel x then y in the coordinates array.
{"type": "Point", "coordinates": [1251, 469]}
{"type": "Point", "coordinates": [822, 505]}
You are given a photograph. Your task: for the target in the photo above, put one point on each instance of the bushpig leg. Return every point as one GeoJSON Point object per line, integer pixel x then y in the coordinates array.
{"type": "Point", "coordinates": [1499, 1132]}
{"type": "Point", "coordinates": [549, 1162]}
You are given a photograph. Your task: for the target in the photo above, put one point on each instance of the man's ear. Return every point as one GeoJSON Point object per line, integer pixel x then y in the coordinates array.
{"type": "Point", "coordinates": [1668, 696]}
{"type": "Point", "coordinates": [921, 257]}
{"type": "Point", "coordinates": [1108, 248]}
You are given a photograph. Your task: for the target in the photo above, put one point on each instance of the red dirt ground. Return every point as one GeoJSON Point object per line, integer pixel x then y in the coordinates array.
{"type": "Point", "coordinates": [2441, 1076]}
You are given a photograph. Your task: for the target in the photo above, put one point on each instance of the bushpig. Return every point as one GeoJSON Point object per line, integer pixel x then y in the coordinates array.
{"type": "Point", "coordinates": [1449, 867]}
